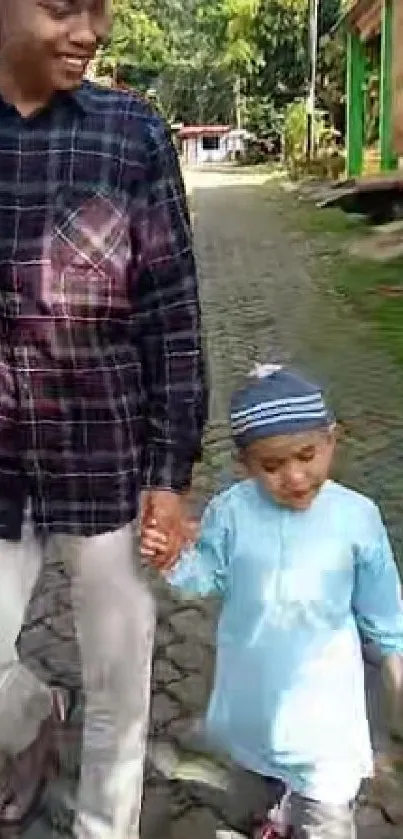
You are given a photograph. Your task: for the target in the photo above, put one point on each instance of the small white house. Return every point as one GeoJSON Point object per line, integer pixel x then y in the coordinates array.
{"type": "Point", "coordinates": [210, 143]}
{"type": "Point", "coordinates": [204, 143]}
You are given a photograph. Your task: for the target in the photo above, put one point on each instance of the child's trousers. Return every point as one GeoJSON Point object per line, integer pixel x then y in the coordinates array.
{"type": "Point", "coordinates": [253, 801]}
{"type": "Point", "coordinates": [314, 820]}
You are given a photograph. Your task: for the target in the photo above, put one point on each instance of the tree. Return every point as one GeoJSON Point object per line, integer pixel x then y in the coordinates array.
{"type": "Point", "coordinates": [282, 46]}
{"type": "Point", "coordinates": [228, 30]}
{"type": "Point", "coordinates": [281, 33]}
{"type": "Point", "coordinates": [136, 39]}
{"type": "Point", "coordinates": [331, 80]}
{"type": "Point", "coordinates": [213, 60]}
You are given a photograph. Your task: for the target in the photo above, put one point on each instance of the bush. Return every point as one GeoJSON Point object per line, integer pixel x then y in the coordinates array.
{"type": "Point", "coordinates": [294, 136]}
{"type": "Point", "coordinates": [328, 161]}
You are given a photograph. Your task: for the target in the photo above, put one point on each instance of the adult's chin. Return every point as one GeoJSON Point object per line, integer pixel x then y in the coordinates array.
{"type": "Point", "coordinates": [66, 84]}
{"type": "Point", "coordinates": [66, 79]}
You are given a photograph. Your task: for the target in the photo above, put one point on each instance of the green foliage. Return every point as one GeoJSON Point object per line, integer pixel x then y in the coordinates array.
{"type": "Point", "coordinates": [197, 53]}
{"type": "Point", "coordinates": [332, 76]}
{"type": "Point", "coordinates": [281, 35]}
{"type": "Point", "coordinates": [194, 95]}
{"type": "Point", "coordinates": [328, 162]}
{"type": "Point", "coordinates": [294, 133]}
{"type": "Point", "coordinates": [372, 91]}
{"type": "Point", "coordinates": [136, 38]}
{"type": "Point", "coordinates": [239, 47]}
{"type": "Point", "coordinates": [261, 117]}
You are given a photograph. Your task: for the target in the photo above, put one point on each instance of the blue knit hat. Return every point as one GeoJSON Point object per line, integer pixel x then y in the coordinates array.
{"type": "Point", "coordinates": [276, 401]}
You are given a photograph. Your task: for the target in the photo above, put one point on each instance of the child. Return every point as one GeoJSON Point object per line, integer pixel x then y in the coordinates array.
{"type": "Point", "coordinates": [303, 566]}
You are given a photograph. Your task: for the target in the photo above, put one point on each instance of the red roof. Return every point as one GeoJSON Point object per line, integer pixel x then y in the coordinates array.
{"type": "Point", "coordinates": [203, 131]}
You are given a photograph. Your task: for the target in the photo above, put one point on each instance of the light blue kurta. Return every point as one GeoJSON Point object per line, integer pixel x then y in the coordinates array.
{"type": "Point", "coordinates": [288, 698]}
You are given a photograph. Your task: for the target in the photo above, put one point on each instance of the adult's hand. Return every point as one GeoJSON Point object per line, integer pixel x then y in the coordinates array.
{"type": "Point", "coordinates": [165, 510]}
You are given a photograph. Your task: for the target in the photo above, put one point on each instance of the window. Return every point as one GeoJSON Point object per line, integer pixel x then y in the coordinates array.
{"type": "Point", "coordinates": [211, 143]}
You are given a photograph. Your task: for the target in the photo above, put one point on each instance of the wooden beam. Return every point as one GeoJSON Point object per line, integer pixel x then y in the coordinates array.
{"type": "Point", "coordinates": [365, 17]}
{"type": "Point", "coordinates": [369, 25]}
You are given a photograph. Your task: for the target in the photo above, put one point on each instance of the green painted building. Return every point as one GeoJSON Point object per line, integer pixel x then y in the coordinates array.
{"type": "Point", "coordinates": [370, 22]}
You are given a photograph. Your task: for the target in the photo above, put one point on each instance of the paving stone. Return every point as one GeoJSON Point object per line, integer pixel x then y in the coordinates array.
{"type": "Point", "coordinates": [165, 672]}
{"type": "Point", "coordinates": [198, 822]}
{"type": "Point", "coordinates": [188, 656]}
{"type": "Point", "coordinates": [167, 605]}
{"type": "Point", "coordinates": [194, 624]}
{"type": "Point", "coordinates": [164, 710]}
{"type": "Point", "coordinates": [191, 691]}
{"type": "Point", "coordinates": [372, 825]}
{"type": "Point", "coordinates": [156, 811]}
{"type": "Point", "coordinates": [180, 729]}
{"type": "Point", "coordinates": [165, 636]}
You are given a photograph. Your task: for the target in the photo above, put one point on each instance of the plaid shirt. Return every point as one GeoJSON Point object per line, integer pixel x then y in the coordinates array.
{"type": "Point", "coordinates": [101, 371]}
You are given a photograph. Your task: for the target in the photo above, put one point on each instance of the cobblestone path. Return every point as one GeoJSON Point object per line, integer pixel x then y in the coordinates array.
{"type": "Point", "coordinates": [261, 302]}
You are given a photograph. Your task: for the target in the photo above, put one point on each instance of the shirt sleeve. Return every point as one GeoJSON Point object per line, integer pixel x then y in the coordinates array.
{"type": "Point", "coordinates": [377, 595]}
{"type": "Point", "coordinates": [204, 568]}
{"type": "Point", "coordinates": [170, 338]}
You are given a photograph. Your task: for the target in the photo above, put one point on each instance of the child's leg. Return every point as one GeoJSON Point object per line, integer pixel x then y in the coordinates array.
{"type": "Point", "coordinates": [315, 820]}
{"type": "Point", "coordinates": [249, 800]}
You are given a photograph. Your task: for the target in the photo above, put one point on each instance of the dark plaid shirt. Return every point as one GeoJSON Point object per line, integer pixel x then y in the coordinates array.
{"type": "Point", "coordinates": [101, 371]}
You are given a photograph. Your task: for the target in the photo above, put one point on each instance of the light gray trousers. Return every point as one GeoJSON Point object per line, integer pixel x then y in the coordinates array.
{"type": "Point", "coordinates": [115, 620]}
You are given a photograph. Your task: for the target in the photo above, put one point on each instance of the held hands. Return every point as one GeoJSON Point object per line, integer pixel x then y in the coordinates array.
{"type": "Point", "coordinates": [154, 544]}
{"type": "Point", "coordinates": [165, 529]}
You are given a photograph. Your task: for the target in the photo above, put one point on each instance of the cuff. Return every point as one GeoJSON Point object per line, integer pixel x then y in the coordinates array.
{"type": "Point", "coordinates": [166, 469]}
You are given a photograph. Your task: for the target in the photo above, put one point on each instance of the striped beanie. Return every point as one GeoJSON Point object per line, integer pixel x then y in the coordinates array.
{"type": "Point", "coordinates": [276, 401]}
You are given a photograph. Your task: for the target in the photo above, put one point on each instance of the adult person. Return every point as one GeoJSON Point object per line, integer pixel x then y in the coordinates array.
{"type": "Point", "coordinates": [102, 397]}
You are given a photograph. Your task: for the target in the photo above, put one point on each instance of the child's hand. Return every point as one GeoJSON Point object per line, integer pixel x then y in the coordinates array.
{"type": "Point", "coordinates": [153, 543]}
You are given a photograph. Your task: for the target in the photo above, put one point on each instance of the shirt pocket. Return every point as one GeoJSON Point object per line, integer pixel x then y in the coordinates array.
{"type": "Point", "coordinates": [89, 259]}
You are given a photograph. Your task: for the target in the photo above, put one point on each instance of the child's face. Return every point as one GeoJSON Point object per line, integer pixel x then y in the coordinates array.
{"type": "Point", "coordinates": [291, 468]}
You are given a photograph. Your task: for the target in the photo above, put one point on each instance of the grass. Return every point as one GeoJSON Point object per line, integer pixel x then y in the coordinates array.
{"type": "Point", "coordinates": [371, 287]}
{"type": "Point", "coordinates": [363, 283]}
{"type": "Point", "coordinates": [332, 221]}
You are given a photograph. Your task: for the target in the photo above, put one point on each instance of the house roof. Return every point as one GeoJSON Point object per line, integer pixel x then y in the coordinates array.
{"type": "Point", "coordinates": [188, 131]}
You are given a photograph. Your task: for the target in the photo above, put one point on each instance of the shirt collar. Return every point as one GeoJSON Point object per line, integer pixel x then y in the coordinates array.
{"type": "Point", "coordinates": [83, 98]}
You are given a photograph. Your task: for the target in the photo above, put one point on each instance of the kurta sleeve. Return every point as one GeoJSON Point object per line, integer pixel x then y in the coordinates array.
{"type": "Point", "coordinates": [204, 568]}
{"type": "Point", "coordinates": [377, 595]}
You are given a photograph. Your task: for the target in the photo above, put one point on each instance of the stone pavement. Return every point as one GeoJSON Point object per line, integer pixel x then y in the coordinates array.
{"type": "Point", "coordinates": [261, 300]}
